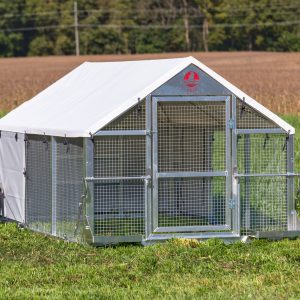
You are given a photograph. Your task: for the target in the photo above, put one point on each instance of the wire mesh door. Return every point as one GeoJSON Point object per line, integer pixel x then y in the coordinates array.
{"type": "Point", "coordinates": [191, 156]}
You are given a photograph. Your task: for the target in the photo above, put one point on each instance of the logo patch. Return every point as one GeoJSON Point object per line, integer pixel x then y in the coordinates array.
{"type": "Point", "coordinates": [191, 79]}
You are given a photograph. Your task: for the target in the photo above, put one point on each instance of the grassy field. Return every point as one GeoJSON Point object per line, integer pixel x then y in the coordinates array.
{"type": "Point", "coordinates": [271, 78]}
{"type": "Point", "coordinates": [33, 266]}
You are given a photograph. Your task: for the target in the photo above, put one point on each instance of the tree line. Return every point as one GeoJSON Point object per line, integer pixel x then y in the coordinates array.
{"type": "Point", "coordinates": [47, 27]}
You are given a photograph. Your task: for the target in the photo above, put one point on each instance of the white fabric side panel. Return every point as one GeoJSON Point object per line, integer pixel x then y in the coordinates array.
{"type": "Point", "coordinates": [12, 163]}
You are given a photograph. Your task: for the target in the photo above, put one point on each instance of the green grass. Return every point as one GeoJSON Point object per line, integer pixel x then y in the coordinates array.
{"type": "Point", "coordinates": [33, 266]}
{"type": "Point", "coordinates": [36, 266]}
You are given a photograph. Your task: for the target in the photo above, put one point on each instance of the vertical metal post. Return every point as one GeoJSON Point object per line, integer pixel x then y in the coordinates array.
{"type": "Point", "coordinates": [247, 154]}
{"type": "Point", "coordinates": [77, 51]}
{"type": "Point", "coordinates": [235, 184]}
{"type": "Point", "coordinates": [228, 162]}
{"type": "Point", "coordinates": [148, 183]}
{"type": "Point", "coordinates": [89, 167]}
{"type": "Point", "coordinates": [54, 162]}
{"type": "Point", "coordinates": [154, 165]}
{"type": "Point", "coordinates": [291, 211]}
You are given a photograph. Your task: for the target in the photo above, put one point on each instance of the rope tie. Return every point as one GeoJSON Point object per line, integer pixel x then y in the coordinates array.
{"type": "Point", "coordinates": [66, 143]}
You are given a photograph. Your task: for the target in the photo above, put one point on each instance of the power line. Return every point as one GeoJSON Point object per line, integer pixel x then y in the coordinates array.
{"type": "Point", "coordinates": [157, 10]}
{"type": "Point", "coordinates": [152, 26]}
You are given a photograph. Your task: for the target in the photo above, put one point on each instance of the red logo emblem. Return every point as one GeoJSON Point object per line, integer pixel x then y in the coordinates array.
{"type": "Point", "coordinates": [191, 79]}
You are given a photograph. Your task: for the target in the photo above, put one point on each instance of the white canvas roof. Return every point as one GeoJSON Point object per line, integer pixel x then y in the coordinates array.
{"type": "Point", "coordinates": [95, 93]}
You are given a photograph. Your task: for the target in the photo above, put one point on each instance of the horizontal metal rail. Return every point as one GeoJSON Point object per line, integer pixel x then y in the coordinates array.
{"type": "Point", "coordinates": [120, 132]}
{"type": "Point", "coordinates": [191, 228]}
{"type": "Point", "coordinates": [191, 174]}
{"type": "Point", "coordinates": [115, 178]}
{"type": "Point", "coordinates": [261, 130]}
{"type": "Point", "coordinates": [206, 235]}
{"type": "Point", "coordinates": [267, 175]}
{"type": "Point", "coordinates": [191, 98]}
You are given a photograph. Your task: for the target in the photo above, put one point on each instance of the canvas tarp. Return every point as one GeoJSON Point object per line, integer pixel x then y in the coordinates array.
{"type": "Point", "coordinates": [12, 179]}
{"type": "Point", "coordinates": [92, 95]}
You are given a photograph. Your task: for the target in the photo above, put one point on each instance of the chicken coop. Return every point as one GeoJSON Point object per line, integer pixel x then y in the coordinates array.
{"type": "Point", "coordinates": [145, 151]}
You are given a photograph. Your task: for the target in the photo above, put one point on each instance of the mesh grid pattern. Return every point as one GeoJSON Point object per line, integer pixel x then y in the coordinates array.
{"type": "Point", "coordinates": [263, 204]}
{"type": "Point", "coordinates": [134, 119]}
{"type": "Point", "coordinates": [69, 186]}
{"type": "Point", "coordinates": [38, 195]}
{"type": "Point", "coordinates": [119, 207]}
{"type": "Point", "coordinates": [248, 118]}
{"type": "Point", "coordinates": [262, 153]}
{"type": "Point", "coordinates": [191, 201]}
{"type": "Point", "coordinates": [191, 136]}
{"type": "Point", "coordinates": [120, 156]}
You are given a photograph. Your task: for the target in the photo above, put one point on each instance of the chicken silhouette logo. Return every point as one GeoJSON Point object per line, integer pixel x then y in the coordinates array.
{"type": "Point", "coordinates": [191, 79]}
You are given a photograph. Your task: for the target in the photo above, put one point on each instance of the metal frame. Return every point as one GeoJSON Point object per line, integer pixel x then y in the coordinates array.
{"type": "Point", "coordinates": [89, 201]}
{"type": "Point", "coordinates": [291, 210]}
{"type": "Point", "coordinates": [156, 175]}
{"type": "Point", "coordinates": [231, 230]}
{"type": "Point", "coordinates": [148, 181]}
{"type": "Point", "coordinates": [289, 175]}
{"type": "Point", "coordinates": [234, 181]}
{"type": "Point", "coordinates": [90, 179]}
{"type": "Point", "coordinates": [256, 131]}
{"type": "Point", "coordinates": [120, 132]}
{"type": "Point", "coordinates": [54, 161]}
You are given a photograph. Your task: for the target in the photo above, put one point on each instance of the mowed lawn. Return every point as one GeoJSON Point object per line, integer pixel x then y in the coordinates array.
{"type": "Point", "coordinates": [36, 266]}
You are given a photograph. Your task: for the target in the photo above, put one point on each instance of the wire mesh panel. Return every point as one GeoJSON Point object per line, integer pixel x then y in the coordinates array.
{"type": "Point", "coordinates": [134, 119]}
{"type": "Point", "coordinates": [262, 153]}
{"type": "Point", "coordinates": [191, 136]}
{"type": "Point", "coordinates": [38, 195]}
{"type": "Point", "coordinates": [263, 197]}
{"type": "Point", "coordinates": [248, 118]}
{"type": "Point", "coordinates": [119, 207]}
{"type": "Point", "coordinates": [119, 156]}
{"type": "Point", "coordinates": [69, 186]}
{"type": "Point", "coordinates": [263, 204]}
{"type": "Point", "coordinates": [192, 201]}
{"type": "Point", "coordinates": [119, 201]}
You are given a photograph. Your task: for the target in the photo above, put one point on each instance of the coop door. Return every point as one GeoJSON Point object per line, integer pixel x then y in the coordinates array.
{"type": "Point", "coordinates": [191, 156]}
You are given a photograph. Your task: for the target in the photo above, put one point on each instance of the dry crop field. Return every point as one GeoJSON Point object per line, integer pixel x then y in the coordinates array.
{"type": "Point", "coordinates": [271, 78]}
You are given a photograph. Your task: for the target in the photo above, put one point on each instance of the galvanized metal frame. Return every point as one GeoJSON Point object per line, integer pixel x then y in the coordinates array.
{"type": "Point", "coordinates": [267, 175]}
{"type": "Point", "coordinates": [289, 175]}
{"type": "Point", "coordinates": [191, 174]}
{"type": "Point", "coordinates": [120, 132]}
{"type": "Point", "coordinates": [89, 172]}
{"type": "Point", "coordinates": [156, 175]}
{"type": "Point", "coordinates": [234, 181]}
{"type": "Point", "coordinates": [229, 123]}
{"type": "Point", "coordinates": [231, 230]}
{"type": "Point", "coordinates": [54, 162]}
{"type": "Point", "coordinates": [148, 181]}
{"type": "Point", "coordinates": [291, 210]}
{"type": "Point", "coordinates": [259, 130]}
{"type": "Point", "coordinates": [247, 152]}
{"type": "Point", "coordinates": [90, 180]}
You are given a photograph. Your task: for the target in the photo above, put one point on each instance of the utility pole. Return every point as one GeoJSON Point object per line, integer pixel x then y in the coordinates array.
{"type": "Point", "coordinates": [77, 51]}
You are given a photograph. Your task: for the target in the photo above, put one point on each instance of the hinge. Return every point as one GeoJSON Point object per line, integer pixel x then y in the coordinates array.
{"type": "Point", "coordinates": [231, 123]}
{"type": "Point", "coordinates": [231, 203]}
